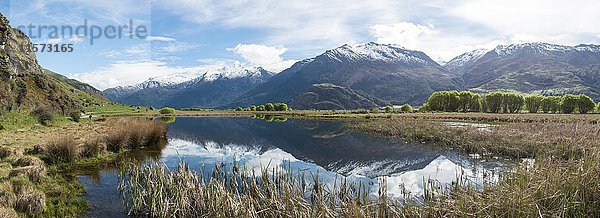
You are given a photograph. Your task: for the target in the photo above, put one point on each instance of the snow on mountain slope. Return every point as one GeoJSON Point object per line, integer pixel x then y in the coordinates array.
{"type": "Point", "coordinates": [465, 58]}
{"type": "Point", "coordinates": [377, 52]}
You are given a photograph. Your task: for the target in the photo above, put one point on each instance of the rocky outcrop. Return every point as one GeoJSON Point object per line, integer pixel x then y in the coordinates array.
{"type": "Point", "coordinates": [23, 84]}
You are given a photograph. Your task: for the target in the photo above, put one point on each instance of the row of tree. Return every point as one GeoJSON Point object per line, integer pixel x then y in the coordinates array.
{"type": "Point", "coordinates": [266, 107]}
{"type": "Point", "coordinates": [507, 102]}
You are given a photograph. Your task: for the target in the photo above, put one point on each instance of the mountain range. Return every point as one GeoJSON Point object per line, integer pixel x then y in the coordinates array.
{"type": "Point", "coordinates": [347, 77]}
{"type": "Point", "coordinates": [372, 74]}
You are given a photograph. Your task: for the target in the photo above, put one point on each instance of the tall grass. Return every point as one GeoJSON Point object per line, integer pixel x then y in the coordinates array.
{"type": "Point", "coordinates": [155, 191]}
{"type": "Point", "coordinates": [135, 133]}
{"type": "Point", "coordinates": [61, 149]}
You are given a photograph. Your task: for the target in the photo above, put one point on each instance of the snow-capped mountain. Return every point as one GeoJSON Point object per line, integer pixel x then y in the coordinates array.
{"type": "Point", "coordinates": [377, 53]}
{"type": "Point", "coordinates": [540, 68]}
{"type": "Point", "coordinates": [458, 63]}
{"type": "Point", "coordinates": [381, 72]}
{"type": "Point", "coordinates": [213, 87]}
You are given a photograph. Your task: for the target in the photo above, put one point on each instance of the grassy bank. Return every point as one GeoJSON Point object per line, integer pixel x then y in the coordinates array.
{"type": "Point", "coordinates": [563, 181]}
{"type": "Point", "coordinates": [518, 140]}
{"type": "Point", "coordinates": [37, 162]}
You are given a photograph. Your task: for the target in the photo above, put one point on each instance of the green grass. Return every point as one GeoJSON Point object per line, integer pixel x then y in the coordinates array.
{"type": "Point", "coordinates": [14, 120]}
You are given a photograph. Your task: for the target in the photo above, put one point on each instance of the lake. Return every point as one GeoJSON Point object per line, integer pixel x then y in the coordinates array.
{"type": "Point", "coordinates": [326, 148]}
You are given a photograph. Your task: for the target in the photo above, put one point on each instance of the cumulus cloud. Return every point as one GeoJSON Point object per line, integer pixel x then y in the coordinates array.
{"type": "Point", "coordinates": [404, 34]}
{"type": "Point", "coordinates": [268, 57]}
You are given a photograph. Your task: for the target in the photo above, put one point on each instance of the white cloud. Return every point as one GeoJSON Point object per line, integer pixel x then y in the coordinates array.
{"type": "Point", "coordinates": [268, 57]}
{"type": "Point", "coordinates": [132, 72]}
{"type": "Point", "coordinates": [160, 39]}
{"type": "Point", "coordinates": [404, 34]}
{"type": "Point", "coordinates": [533, 16]}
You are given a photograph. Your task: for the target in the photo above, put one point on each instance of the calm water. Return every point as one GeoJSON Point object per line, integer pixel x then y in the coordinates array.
{"type": "Point", "coordinates": [323, 147]}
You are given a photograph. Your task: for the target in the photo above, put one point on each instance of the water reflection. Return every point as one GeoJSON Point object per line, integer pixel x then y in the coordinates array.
{"type": "Point", "coordinates": [322, 147]}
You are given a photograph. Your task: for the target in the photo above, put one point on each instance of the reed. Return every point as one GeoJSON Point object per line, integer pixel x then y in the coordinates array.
{"type": "Point", "coordinates": [155, 191]}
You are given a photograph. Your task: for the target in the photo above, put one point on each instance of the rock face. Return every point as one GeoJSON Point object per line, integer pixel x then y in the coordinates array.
{"type": "Point", "coordinates": [387, 72]}
{"type": "Point", "coordinates": [210, 90]}
{"type": "Point", "coordinates": [539, 68]}
{"type": "Point", "coordinates": [23, 84]}
{"type": "Point", "coordinates": [329, 96]}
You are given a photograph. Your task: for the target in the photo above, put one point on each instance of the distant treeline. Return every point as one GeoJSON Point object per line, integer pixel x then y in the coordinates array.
{"type": "Point", "coordinates": [507, 102]}
{"type": "Point", "coordinates": [266, 107]}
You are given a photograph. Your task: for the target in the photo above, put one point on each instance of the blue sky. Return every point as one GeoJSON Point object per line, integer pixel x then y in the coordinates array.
{"type": "Point", "coordinates": [191, 36]}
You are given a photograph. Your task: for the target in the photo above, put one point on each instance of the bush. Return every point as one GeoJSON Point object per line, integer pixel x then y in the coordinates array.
{"type": "Point", "coordinates": [167, 110]}
{"type": "Point", "coordinates": [389, 109]}
{"type": "Point", "coordinates": [43, 115]}
{"type": "Point", "coordinates": [61, 150]}
{"type": "Point", "coordinates": [75, 116]}
{"type": "Point", "coordinates": [239, 109]}
{"type": "Point", "coordinates": [406, 108]}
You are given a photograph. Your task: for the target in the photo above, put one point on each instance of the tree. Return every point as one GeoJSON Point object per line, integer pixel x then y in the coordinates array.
{"type": "Point", "coordinates": [475, 102]}
{"type": "Point", "coordinates": [253, 108]}
{"type": "Point", "coordinates": [281, 107]}
{"type": "Point", "coordinates": [260, 108]}
{"type": "Point", "coordinates": [437, 101]}
{"type": "Point", "coordinates": [406, 108]}
{"type": "Point", "coordinates": [513, 102]}
{"type": "Point", "coordinates": [389, 109]}
{"type": "Point", "coordinates": [269, 107]}
{"type": "Point", "coordinates": [465, 100]}
{"type": "Point", "coordinates": [453, 101]}
{"type": "Point", "coordinates": [569, 103]}
{"type": "Point", "coordinates": [585, 104]}
{"type": "Point", "coordinates": [494, 101]}
{"type": "Point", "coordinates": [533, 103]}
{"type": "Point", "coordinates": [551, 104]}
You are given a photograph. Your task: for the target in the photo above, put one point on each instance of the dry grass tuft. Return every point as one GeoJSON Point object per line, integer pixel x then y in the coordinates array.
{"type": "Point", "coordinates": [135, 133]}
{"type": "Point", "coordinates": [7, 196]}
{"type": "Point", "coordinates": [92, 147]}
{"type": "Point", "coordinates": [31, 201]}
{"type": "Point", "coordinates": [61, 149]}
{"type": "Point", "coordinates": [34, 173]}
{"type": "Point", "coordinates": [8, 212]}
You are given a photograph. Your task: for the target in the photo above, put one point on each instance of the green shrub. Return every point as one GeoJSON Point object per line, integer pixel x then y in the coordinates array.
{"type": "Point", "coordinates": [43, 115]}
{"type": "Point", "coordinates": [167, 110]}
{"type": "Point", "coordinates": [389, 109]}
{"type": "Point", "coordinates": [75, 116]}
{"type": "Point", "coordinates": [406, 108]}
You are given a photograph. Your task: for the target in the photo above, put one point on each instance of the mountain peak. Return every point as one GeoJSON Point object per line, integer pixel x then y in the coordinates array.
{"type": "Point", "coordinates": [373, 51]}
